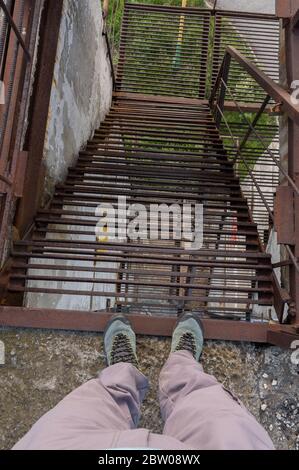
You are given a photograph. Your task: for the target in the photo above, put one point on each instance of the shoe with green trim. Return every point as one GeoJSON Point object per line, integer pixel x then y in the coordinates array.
{"type": "Point", "coordinates": [120, 341]}
{"type": "Point", "coordinates": [188, 335]}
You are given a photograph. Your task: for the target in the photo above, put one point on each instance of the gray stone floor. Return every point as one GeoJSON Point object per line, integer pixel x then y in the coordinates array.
{"type": "Point", "coordinates": [42, 367]}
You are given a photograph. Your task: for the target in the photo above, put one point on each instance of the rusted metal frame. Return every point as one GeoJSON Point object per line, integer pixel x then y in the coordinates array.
{"type": "Point", "coordinates": [221, 98]}
{"type": "Point", "coordinates": [248, 15]}
{"type": "Point", "coordinates": [136, 248]}
{"type": "Point", "coordinates": [292, 64]}
{"type": "Point", "coordinates": [38, 113]}
{"type": "Point", "coordinates": [149, 118]}
{"type": "Point", "coordinates": [147, 193]}
{"type": "Point", "coordinates": [19, 157]}
{"type": "Point", "coordinates": [154, 135]}
{"type": "Point", "coordinates": [249, 244]}
{"type": "Point", "coordinates": [11, 158]}
{"type": "Point", "coordinates": [124, 96]}
{"type": "Point", "coordinates": [63, 267]}
{"type": "Point", "coordinates": [273, 89]}
{"type": "Point", "coordinates": [280, 297]}
{"type": "Point", "coordinates": [174, 88]}
{"type": "Point", "coordinates": [252, 129]}
{"type": "Point", "coordinates": [196, 11]}
{"type": "Point", "coordinates": [193, 135]}
{"type": "Point", "coordinates": [90, 293]}
{"type": "Point", "coordinates": [216, 72]}
{"type": "Point", "coordinates": [166, 9]}
{"type": "Point", "coordinates": [153, 261]}
{"type": "Point", "coordinates": [295, 20]}
{"type": "Point", "coordinates": [287, 9]}
{"type": "Point", "coordinates": [221, 29]}
{"type": "Point", "coordinates": [67, 255]}
{"type": "Point", "coordinates": [275, 160]}
{"type": "Point", "coordinates": [13, 25]}
{"type": "Point", "coordinates": [248, 241]}
{"type": "Point", "coordinates": [210, 164]}
{"type": "Point", "coordinates": [204, 53]}
{"type": "Point", "coordinates": [249, 132]}
{"type": "Point", "coordinates": [12, 72]}
{"type": "Point", "coordinates": [77, 177]}
{"type": "Point", "coordinates": [92, 187]}
{"type": "Point", "coordinates": [50, 215]}
{"type": "Point", "coordinates": [90, 200]}
{"type": "Point", "coordinates": [151, 283]}
{"type": "Point", "coordinates": [90, 197]}
{"type": "Point", "coordinates": [247, 107]}
{"type": "Point", "coordinates": [142, 324]}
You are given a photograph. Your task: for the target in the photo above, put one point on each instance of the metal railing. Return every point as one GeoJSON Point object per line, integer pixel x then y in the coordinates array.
{"type": "Point", "coordinates": [16, 20]}
{"type": "Point", "coordinates": [259, 177]}
{"type": "Point", "coordinates": [107, 35]}
{"type": "Point", "coordinates": [14, 27]}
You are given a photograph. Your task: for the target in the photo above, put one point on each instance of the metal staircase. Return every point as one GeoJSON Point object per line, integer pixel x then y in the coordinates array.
{"type": "Point", "coordinates": [174, 155]}
{"type": "Point", "coordinates": [164, 142]}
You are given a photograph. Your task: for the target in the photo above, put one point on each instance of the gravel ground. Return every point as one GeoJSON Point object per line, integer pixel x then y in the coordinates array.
{"type": "Point", "coordinates": [42, 367]}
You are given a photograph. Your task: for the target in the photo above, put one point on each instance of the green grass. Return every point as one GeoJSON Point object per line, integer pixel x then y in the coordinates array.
{"type": "Point", "coordinates": [116, 8]}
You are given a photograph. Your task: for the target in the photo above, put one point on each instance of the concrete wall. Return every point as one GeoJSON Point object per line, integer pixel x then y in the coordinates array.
{"type": "Point", "coordinates": [82, 88]}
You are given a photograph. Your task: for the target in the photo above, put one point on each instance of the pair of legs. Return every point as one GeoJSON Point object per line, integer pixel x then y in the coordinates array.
{"type": "Point", "coordinates": [104, 413]}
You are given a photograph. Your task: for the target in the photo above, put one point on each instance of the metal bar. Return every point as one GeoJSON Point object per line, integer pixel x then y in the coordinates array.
{"type": "Point", "coordinates": [105, 34]}
{"type": "Point", "coordinates": [15, 29]}
{"type": "Point", "coordinates": [144, 325]}
{"type": "Point", "coordinates": [292, 69]}
{"type": "Point", "coordinates": [276, 161]}
{"type": "Point", "coordinates": [38, 113]}
{"type": "Point", "coordinates": [272, 89]}
{"type": "Point", "coordinates": [250, 130]}
{"type": "Point", "coordinates": [221, 99]}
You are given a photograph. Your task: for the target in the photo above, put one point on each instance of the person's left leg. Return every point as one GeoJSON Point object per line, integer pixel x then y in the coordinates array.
{"type": "Point", "coordinates": [196, 408]}
{"type": "Point", "coordinates": [95, 415]}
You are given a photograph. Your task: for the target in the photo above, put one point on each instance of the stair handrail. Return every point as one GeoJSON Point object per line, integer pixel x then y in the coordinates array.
{"type": "Point", "coordinates": [274, 90]}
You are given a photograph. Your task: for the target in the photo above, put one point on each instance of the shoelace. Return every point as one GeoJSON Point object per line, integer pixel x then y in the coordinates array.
{"type": "Point", "coordinates": [187, 343]}
{"type": "Point", "coordinates": [122, 350]}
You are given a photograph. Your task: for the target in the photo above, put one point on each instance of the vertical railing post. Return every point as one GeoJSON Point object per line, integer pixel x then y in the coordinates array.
{"type": "Point", "coordinates": [221, 98]}
{"type": "Point", "coordinates": [216, 45]}
{"type": "Point", "coordinates": [204, 57]}
{"type": "Point", "coordinates": [287, 9]}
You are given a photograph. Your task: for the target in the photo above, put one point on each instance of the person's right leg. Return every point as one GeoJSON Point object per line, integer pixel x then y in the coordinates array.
{"type": "Point", "coordinates": [196, 408]}
{"type": "Point", "coordinates": [102, 413]}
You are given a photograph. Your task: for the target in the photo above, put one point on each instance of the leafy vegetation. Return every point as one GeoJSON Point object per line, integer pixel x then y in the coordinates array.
{"type": "Point", "coordinates": [116, 8]}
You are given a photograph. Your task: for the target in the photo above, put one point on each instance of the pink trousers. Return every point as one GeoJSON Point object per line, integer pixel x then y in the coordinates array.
{"type": "Point", "coordinates": [104, 413]}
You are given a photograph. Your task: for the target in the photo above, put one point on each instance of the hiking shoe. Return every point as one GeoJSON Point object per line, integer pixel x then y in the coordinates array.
{"type": "Point", "coordinates": [188, 335]}
{"type": "Point", "coordinates": [120, 341]}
